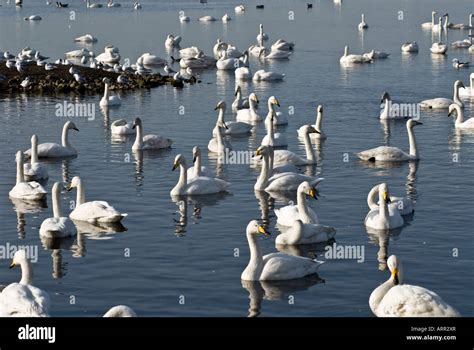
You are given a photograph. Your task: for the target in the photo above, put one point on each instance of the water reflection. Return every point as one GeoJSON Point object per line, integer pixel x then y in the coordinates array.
{"type": "Point", "coordinates": [100, 231]}
{"type": "Point", "coordinates": [381, 238]}
{"type": "Point", "coordinates": [305, 250]}
{"type": "Point", "coordinates": [21, 208]}
{"type": "Point", "coordinates": [266, 204]}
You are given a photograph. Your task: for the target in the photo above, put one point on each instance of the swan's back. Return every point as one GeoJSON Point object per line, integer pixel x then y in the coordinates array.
{"type": "Point", "coordinates": [206, 185]}
{"type": "Point", "coordinates": [384, 154]}
{"type": "Point", "coordinates": [51, 150]}
{"type": "Point", "coordinates": [96, 211]}
{"type": "Point", "coordinates": [156, 142]}
{"type": "Point", "coordinates": [413, 301]}
{"type": "Point", "coordinates": [283, 156]}
{"type": "Point", "coordinates": [20, 300]}
{"type": "Point", "coordinates": [57, 228]}
{"type": "Point", "coordinates": [290, 181]}
{"type": "Point", "coordinates": [287, 215]}
{"type": "Point", "coordinates": [280, 266]}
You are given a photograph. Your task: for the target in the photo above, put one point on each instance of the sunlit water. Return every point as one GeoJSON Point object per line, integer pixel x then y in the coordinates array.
{"type": "Point", "coordinates": [166, 254]}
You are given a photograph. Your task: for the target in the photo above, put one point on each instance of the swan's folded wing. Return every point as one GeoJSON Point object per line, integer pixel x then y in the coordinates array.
{"type": "Point", "coordinates": [280, 266]}
{"type": "Point", "coordinates": [24, 301]}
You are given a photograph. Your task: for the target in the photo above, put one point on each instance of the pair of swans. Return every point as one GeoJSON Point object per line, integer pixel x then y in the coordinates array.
{"type": "Point", "coordinates": [54, 150]}
{"type": "Point", "coordinates": [444, 103]}
{"type": "Point", "coordinates": [383, 216]}
{"type": "Point", "coordinates": [231, 127]}
{"type": "Point", "coordinates": [23, 190]}
{"type": "Point", "coordinates": [287, 215]}
{"type": "Point", "coordinates": [34, 170]}
{"type": "Point", "coordinates": [274, 266]}
{"type": "Point", "coordinates": [94, 212]}
{"type": "Point", "coordinates": [148, 142]}
{"type": "Point", "coordinates": [395, 299]}
{"type": "Point", "coordinates": [23, 299]}
{"type": "Point", "coordinates": [351, 58]}
{"type": "Point", "coordinates": [459, 122]}
{"type": "Point", "coordinates": [109, 100]}
{"type": "Point", "coordinates": [394, 154]}
{"type": "Point", "coordinates": [317, 126]}
{"type": "Point", "coordinates": [403, 205]}
{"type": "Point", "coordinates": [199, 185]}
{"type": "Point", "coordinates": [58, 226]}
{"type": "Point", "coordinates": [172, 41]}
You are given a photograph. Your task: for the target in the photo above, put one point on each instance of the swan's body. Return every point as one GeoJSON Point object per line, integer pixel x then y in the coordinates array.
{"type": "Point", "coordinates": [120, 311]}
{"type": "Point", "coordinates": [196, 186]}
{"type": "Point", "coordinates": [301, 233]}
{"type": "Point", "coordinates": [278, 117]}
{"type": "Point", "coordinates": [363, 24]}
{"type": "Point", "coordinates": [35, 171]}
{"type": "Point", "coordinates": [122, 127]}
{"type": "Point", "coordinates": [226, 18]}
{"type": "Point", "coordinates": [261, 35]}
{"type": "Point", "coordinates": [272, 138]}
{"type": "Point", "coordinates": [227, 63]}
{"type": "Point", "coordinates": [469, 90]}
{"type": "Point", "coordinates": [462, 44]}
{"type": "Point", "coordinates": [286, 216]}
{"type": "Point", "coordinates": [376, 55]}
{"type": "Point", "coordinates": [351, 58]}
{"type": "Point", "coordinates": [147, 59]}
{"type": "Point", "coordinates": [111, 3]}
{"type": "Point", "coordinates": [275, 54]}
{"type": "Point", "coordinates": [249, 115]}
{"type": "Point", "coordinates": [54, 150]}
{"type": "Point", "coordinates": [94, 212]}
{"type": "Point", "coordinates": [58, 226]}
{"type": "Point", "coordinates": [172, 41]}
{"type": "Point", "coordinates": [110, 55]}
{"type": "Point", "coordinates": [460, 123]}
{"type": "Point", "coordinates": [318, 126]}
{"type": "Point", "coordinates": [410, 47]}
{"type": "Point", "coordinates": [429, 25]}
{"type": "Point", "coordinates": [394, 154]}
{"type": "Point", "coordinates": [23, 299]}
{"type": "Point", "coordinates": [239, 9]}
{"type": "Point", "coordinates": [33, 18]}
{"type": "Point", "coordinates": [403, 205]}
{"type": "Point", "coordinates": [148, 142]}
{"type": "Point", "coordinates": [93, 5]}
{"type": "Point", "coordinates": [444, 103]}
{"type": "Point", "coordinates": [439, 48]}
{"type": "Point", "coordinates": [197, 169]}
{"type": "Point", "coordinates": [239, 102]}
{"type": "Point", "coordinates": [207, 19]}
{"type": "Point", "coordinates": [183, 18]}
{"type": "Point", "coordinates": [262, 75]}
{"type": "Point", "coordinates": [282, 45]}
{"type": "Point", "coordinates": [287, 157]}
{"type": "Point", "coordinates": [87, 38]}
{"type": "Point", "coordinates": [275, 266]}
{"type": "Point", "coordinates": [231, 127]}
{"type": "Point", "coordinates": [107, 99]}
{"type": "Point", "coordinates": [395, 299]}
{"type": "Point", "coordinates": [256, 50]}
{"type": "Point", "coordinates": [189, 52]}
{"type": "Point", "coordinates": [27, 191]}
{"type": "Point", "coordinates": [383, 217]}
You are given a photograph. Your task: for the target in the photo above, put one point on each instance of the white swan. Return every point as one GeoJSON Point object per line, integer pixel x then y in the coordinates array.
{"type": "Point", "coordinates": [462, 44]}
{"type": "Point", "coordinates": [282, 45]}
{"type": "Point", "coordinates": [262, 75]}
{"type": "Point", "coordinates": [58, 226]}
{"type": "Point", "coordinates": [93, 5]}
{"type": "Point", "coordinates": [120, 311]}
{"type": "Point", "coordinates": [278, 117]}
{"type": "Point", "coordinates": [460, 123]}
{"type": "Point", "coordinates": [172, 41]}
{"type": "Point", "coordinates": [227, 63]}
{"type": "Point", "coordinates": [231, 127]}
{"type": "Point", "coordinates": [318, 126]}
{"type": "Point", "coordinates": [387, 109]}
{"type": "Point", "coordinates": [183, 18]}
{"type": "Point", "coordinates": [286, 216]}
{"type": "Point", "coordinates": [217, 144]}
{"type": "Point", "coordinates": [438, 27]}
{"type": "Point", "coordinates": [376, 55]}
{"type": "Point", "coordinates": [394, 154]}
{"type": "Point", "coordinates": [256, 50]}
{"type": "Point", "coordinates": [34, 171]}
{"type": "Point", "coordinates": [77, 54]}
{"type": "Point", "coordinates": [274, 266]}
{"type": "Point", "coordinates": [87, 38]}
{"type": "Point", "coordinates": [111, 3]}
{"type": "Point", "coordinates": [197, 169]}
{"type": "Point", "coordinates": [250, 114]}
{"type": "Point", "coordinates": [274, 54]}
{"type": "Point", "coordinates": [429, 25]}
{"type": "Point", "coordinates": [261, 35]}
{"type": "Point", "coordinates": [444, 103]}
{"type": "Point", "coordinates": [54, 150]}
{"type": "Point", "coordinates": [122, 127]}
{"type": "Point", "coordinates": [109, 100]}
{"type": "Point", "coordinates": [351, 58]}
{"type": "Point", "coordinates": [384, 217]}
{"type": "Point", "coordinates": [92, 212]}
{"type": "Point", "coordinates": [33, 18]}
{"type": "Point", "coordinates": [239, 9]}
{"type": "Point", "coordinates": [197, 185]}
{"type": "Point", "coordinates": [283, 156]}
{"type": "Point", "coordinates": [272, 138]}
{"type": "Point", "coordinates": [239, 103]}
{"type": "Point", "coordinates": [403, 205]}
{"type": "Point", "coordinates": [363, 25]}
{"type": "Point", "coordinates": [110, 55]}
{"type": "Point", "coordinates": [439, 48]}
{"type": "Point", "coordinates": [468, 91]}
{"type": "Point", "coordinates": [395, 299]}
{"type": "Point", "coordinates": [207, 19]}
{"type": "Point", "coordinates": [410, 47]}
{"type": "Point", "coordinates": [301, 233]}
{"type": "Point", "coordinates": [148, 59]}
{"type": "Point", "coordinates": [243, 73]}
{"type": "Point", "coordinates": [189, 52]}
{"type": "Point", "coordinates": [458, 26]}
{"type": "Point", "coordinates": [148, 142]}
{"type": "Point", "coordinates": [28, 191]}
{"type": "Point", "coordinates": [226, 18]}
{"type": "Point", "coordinates": [23, 299]}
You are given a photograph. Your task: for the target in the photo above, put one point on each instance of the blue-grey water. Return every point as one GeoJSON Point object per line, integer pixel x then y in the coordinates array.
{"type": "Point", "coordinates": [159, 260]}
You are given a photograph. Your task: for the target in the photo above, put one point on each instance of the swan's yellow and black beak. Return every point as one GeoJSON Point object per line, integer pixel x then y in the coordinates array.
{"type": "Point", "coordinates": [75, 128]}
{"type": "Point", "coordinates": [277, 103]}
{"type": "Point", "coordinates": [386, 197]}
{"type": "Point", "coordinates": [263, 230]}
{"type": "Point", "coordinates": [69, 188]}
{"type": "Point", "coordinates": [216, 108]}
{"type": "Point", "coordinates": [256, 99]}
{"type": "Point", "coordinates": [396, 280]}
{"type": "Point", "coordinates": [194, 159]}
{"type": "Point", "coordinates": [314, 131]}
{"type": "Point", "coordinates": [225, 126]}
{"type": "Point", "coordinates": [313, 193]}
{"type": "Point", "coordinates": [258, 152]}
{"type": "Point", "coordinates": [12, 264]}
{"type": "Point", "coordinates": [175, 166]}
{"type": "Point", "coordinates": [237, 91]}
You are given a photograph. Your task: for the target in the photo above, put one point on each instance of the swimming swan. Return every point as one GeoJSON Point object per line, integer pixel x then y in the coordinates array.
{"type": "Point", "coordinates": [287, 157]}
{"type": "Point", "coordinates": [395, 299]}
{"type": "Point", "coordinates": [274, 266]}
{"type": "Point", "coordinates": [444, 103]}
{"type": "Point", "coordinates": [28, 191]}
{"type": "Point", "coordinates": [349, 59]}
{"type": "Point", "coordinates": [122, 127]}
{"type": "Point", "coordinates": [272, 138]}
{"type": "Point", "coordinates": [429, 25]}
{"type": "Point", "coordinates": [250, 114]}
{"type": "Point", "coordinates": [384, 217]}
{"type": "Point", "coordinates": [108, 100]}
{"type": "Point", "coordinates": [172, 41]}
{"type": "Point", "coordinates": [403, 205]}
{"type": "Point", "coordinates": [262, 75]}
{"type": "Point", "coordinates": [274, 54]}
{"type": "Point", "coordinates": [394, 154]}
{"type": "Point", "coordinates": [87, 38]}
{"type": "Point", "coordinates": [468, 91]}
{"type": "Point", "coordinates": [148, 142]}
{"type": "Point", "coordinates": [301, 233]}
{"type": "Point", "coordinates": [217, 144]}
{"type": "Point", "coordinates": [54, 150]}
{"type": "Point", "coordinates": [231, 127]}
{"type": "Point", "coordinates": [278, 117]}
{"type": "Point", "coordinates": [35, 171]}
{"type": "Point", "coordinates": [318, 126]}
{"type": "Point", "coordinates": [410, 47]}
{"type": "Point", "coordinates": [286, 216]}
{"type": "Point", "coordinates": [363, 25]}
{"type": "Point", "coordinates": [120, 311]}
{"type": "Point", "coordinates": [197, 169]}
{"type": "Point", "coordinates": [239, 103]}
{"type": "Point", "coordinates": [92, 212]}
{"type": "Point", "coordinates": [261, 35]}
{"type": "Point", "coordinates": [243, 73]}
{"type": "Point", "coordinates": [460, 123]}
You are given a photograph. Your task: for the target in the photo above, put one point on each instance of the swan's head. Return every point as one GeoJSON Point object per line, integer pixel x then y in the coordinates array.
{"type": "Point", "coordinates": [385, 96]}
{"type": "Point", "coordinates": [179, 160]}
{"type": "Point", "coordinates": [218, 41]}
{"type": "Point", "coordinates": [306, 188]}
{"type": "Point", "coordinates": [19, 157]}
{"type": "Point", "coordinates": [261, 26]}
{"type": "Point", "coordinates": [346, 50]}
{"type": "Point", "coordinates": [75, 182]}
{"type": "Point", "coordinates": [308, 129]}
{"type": "Point", "coordinates": [106, 80]}
{"type": "Point", "coordinates": [220, 105]}
{"type": "Point", "coordinates": [254, 228]}
{"type": "Point", "coordinates": [137, 122]}
{"type": "Point", "coordinates": [433, 13]}
{"type": "Point", "coordinates": [455, 60]}
{"type": "Point", "coordinates": [319, 109]}
{"type": "Point", "coordinates": [71, 126]}
{"type": "Point", "coordinates": [395, 267]}
{"type": "Point", "coordinates": [170, 36]}
{"type": "Point", "coordinates": [262, 151]}
{"type": "Point", "coordinates": [196, 153]}
{"type": "Point", "coordinates": [34, 140]}
{"type": "Point", "coordinates": [384, 195]}
{"type": "Point", "coordinates": [454, 107]}
{"type": "Point", "coordinates": [412, 122]}
{"type": "Point", "coordinates": [237, 90]}
{"type": "Point", "coordinates": [272, 100]}
{"type": "Point", "coordinates": [19, 257]}
{"type": "Point", "coordinates": [458, 84]}
{"type": "Point", "coordinates": [253, 97]}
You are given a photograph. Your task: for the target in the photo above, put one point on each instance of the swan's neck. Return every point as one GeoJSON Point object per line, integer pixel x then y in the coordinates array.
{"type": "Point", "coordinates": [470, 20]}
{"type": "Point", "coordinates": [472, 80]}
{"type": "Point", "coordinates": [459, 116]}
{"type": "Point", "coordinates": [378, 294]}
{"type": "Point", "coordinates": [80, 197]}
{"type": "Point", "coordinates": [262, 180]}
{"type": "Point", "coordinates": [302, 208]}
{"type": "Point", "coordinates": [65, 137]}
{"type": "Point", "coordinates": [298, 233]}
{"type": "Point", "coordinates": [346, 51]}
{"type": "Point", "coordinates": [20, 175]}
{"type": "Point", "coordinates": [255, 266]}
{"type": "Point", "coordinates": [412, 142]}
{"type": "Point", "coordinates": [138, 138]}
{"type": "Point", "coordinates": [238, 96]}
{"type": "Point", "coordinates": [319, 120]}
{"type": "Point", "coordinates": [271, 132]}
{"type": "Point", "coordinates": [252, 105]}
{"type": "Point", "coordinates": [34, 151]}
{"type": "Point", "coordinates": [310, 155]}
{"type": "Point", "coordinates": [432, 19]}
{"type": "Point", "coordinates": [363, 18]}
{"type": "Point", "coordinates": [446, 19]}
{"type": "Point", "coordinates": [383, 209]}
{"type": "Point", "coordinates": [106, 91]}
{"type": "Point", "coordinates": [183, 176]}
{"type": "Point", "coordinates": [456, 98]}
{"type": "Point", "coordinates": [56, 209]}
{"type": "Point", "coordinates": [197, 166]}
{"type": "Point", "coordinates": [386, 109]}
{"type": "Point", "coordinates": [220, 118]}
{"type": "Point", "coordinates": [371, 202]}
{"type": "Point", "coordinates": [26, 273]}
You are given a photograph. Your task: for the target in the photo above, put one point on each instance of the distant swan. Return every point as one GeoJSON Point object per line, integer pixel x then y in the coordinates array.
{"type": "Point", "coordinates": [122, 127]}
{"type": "Point", "coordinates": [28, 191]}
{"type": "Point", "coordinates": [54, 150]}
{"type": "Point", "coordinates": [207, 19]}
{"type": "Point", "coordinates": [148, 142]}
{"type": "Point", "coordinates": [429, 25]}
{"type": "Point", "coordinates": [108, 100]}
{"type": "Point", "coordinates": [172, 41]}
{"type": "Point", "coordinates": [384, 217]}
{"type": "Point", "coordinates": [410, 47]}
{"type": "Point", "coordinates": [87, 38]}
{"type": "Point", "coordinates": [261, 35]}
{"type": "Point", "coordinates": [444, 103]}
{"type": "Point", "coordinates": [318, 126]}
{"type": "Point", "coordinates": [363, 25]}
{"type": "Point", "coordinates": [58, 226]}
{"type": "Point", "coordinates": [460, 123]}
{"type": "Point", "coordinates": [351, 58]}
{"type": "Point", "coordinates": [34, 170]}
{"type": "Point", "coordinates": [262, 75]}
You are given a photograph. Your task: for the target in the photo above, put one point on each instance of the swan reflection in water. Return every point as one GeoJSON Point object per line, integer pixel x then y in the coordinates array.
{"type": "Point", "coordinates": [382, 238]}
{"type": "Point", "coordinates": [275, 290]}
{"type": "Point", "coordinates": [56, 245]}
{"type": "Point", "coordinates": [22, 207]}
{"type": "Point", "coordinates": [266, 204]}
{"type": "Point", "coordinates": [311, 250]}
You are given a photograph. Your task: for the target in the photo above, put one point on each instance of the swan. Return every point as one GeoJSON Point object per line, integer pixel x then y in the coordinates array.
{"type": "Point", "coordinates": [197, 169]}
{"type": "Point", "coordinates": [189, 52]}
{"type": "Point", "coordinates": [29, 191]}
{"type": "Point", "coordinates": [172, 41]}
{"type": "Point", "coordinates": [250, 114]}
{"type": "Point", "coordinates": [107, 100]}
{"type": "Point", "coordinates": [444, 103]}
{"type": "Point", "coordinates": [183, 18]}
{"type": "Point", "coordinates": [93, 5]}
{"type": "Point", "coordinates": [197, 185]}
{"type": "Point", "coordinates": [87, 38]}
{"type": "Point", "coordinates": [301, 233]}
{"type": "Point", "coordinates": [318, 126]}
{"type": "Point", "coordinates": [239, 103]}
{"type": "Point", "coordinates": [403, 205]}
{"type": "Point", "coordinates": [282, 45]}
{"type": "Point", "coordinates": [218, 46]}
{"type": "Point", "coordinates": [272, 138]}
{"type": "Point", "coordinates": [261, 35]}
{"type": "Point", "coordinates": [363, 25]}
{"type": "Point", "coordinates": [217, 144]}
{"type": "Point", "coordinates": [395, 299]}
{"type": "Point", "coordinates": [386, 112]}
{"type": "Point", "coordinates": [54, 150]}
{"type": "Point", "coordinates": [274, 55]}
{"type": "Point", "coordinates": [278, 117]}
{"type": "Point", "coordinates": [410, 47]}
{"type": "Point", "coordinates": [58, 226]}
{"type": "Point", "coordinates": [376, 55]}
{"type": "Point", "coordinates": [207, 19]}
{"type": "Point", "coordinates": [226, 18]}
{"type": "Point", "coordinates": [23, 299]}
{"type": "Point", "coordinates": [227, 63]}
{"type": "Point", "coordinates": [231, 127]}
{"type": "Point", "coordinates": [34, 170]}
{"type": "Point", "coordinates": [429, 25]}
{"type": "Point", "coordinates": [137, 6]}
{"type": "Point", "coordinates": [274, 266]}
{"type": "Point", "coordinates": [239, 9]}
{"type": "Point", "coordinates": [256, 50]}
{"type": "Point", "coordinates": [282, 156]}
{"type": "Point", "coordinates": [439, 48]}
{"type": "Point", "coordinates": [460, 123]}
{"type": "Point", "coordinates": [287, 215]}
{"type": "Point", "coordinates": [111, 3]}
{"type": "Point", "coordinates": [33, 18]}
{"type": "Point", "coordinates": [122, 127]}
{"type": "Point", "coordinates": [92, 212]}
{"type": "Point", "coordinates": [459, 25]}
{"type": "Point", "coordinates": [148, 142]}
{"type": "Point", "coordinates": [438, 27]}
{"type": "Point", "coordinates": [110, 55]}
{"type": "Point", "coordinates": [383, 217]}
{"type": "Point", "coordinates": [262, 75]}
{"type": "Point", "coordinates": [120, 311]}
{"type": "Point", "coordinates": [468, 91]}
{"type": "Point", "coordinates": [77, 53]}
{"type": "Point", "coordinates": [462, 44]}
{"type": "Point", "coordinates": [394, 154]}
{"type": "Point", "coordinates": [349, 59]}
{"type": "Point", "coordinates": [457, 64]}
{"type": "Point", "coordinates": [243, 73]}
{"type": "Point", "coordinates": [148, 59]}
